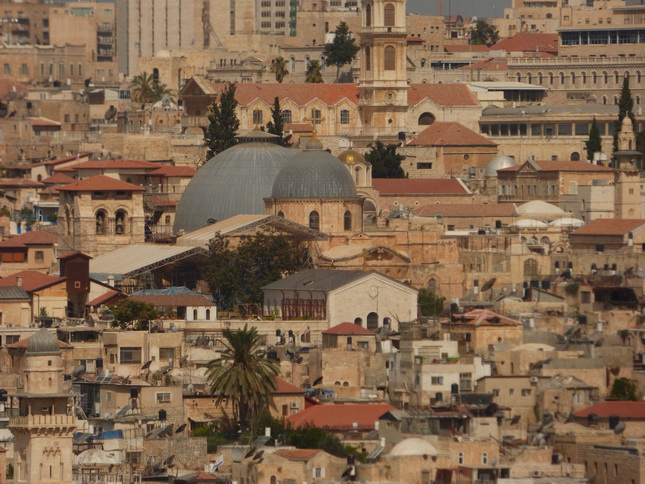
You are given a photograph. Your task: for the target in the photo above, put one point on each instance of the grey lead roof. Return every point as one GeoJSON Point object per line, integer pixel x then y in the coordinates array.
{"type": "Point", "coordinates": [316, 280]}
{"type": "Point", "coordinates": [13, 292]}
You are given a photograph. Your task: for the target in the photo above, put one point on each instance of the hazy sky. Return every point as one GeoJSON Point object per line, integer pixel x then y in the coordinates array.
{"type": "Point", "coordinates": [467, 8]}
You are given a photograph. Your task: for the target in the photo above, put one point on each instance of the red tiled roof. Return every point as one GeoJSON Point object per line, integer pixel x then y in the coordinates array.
{"type": "Point", "coordinates": [465, 48]}
{"type": "Point", "coordinates": [173, 300]}
{"type": "Point", "coordinates": [58, 179]}
{"type": "Point", "coordinates": [44, 122]}
{"type": "Point", "coordinates": [414, 39]}
{"type": "Point", "coordinates": [299, 127]}
{"type": "Point", "coordinates": [74, 253]}
{"type": "Point", "coordinates": [348, 328]}
{"type": "Point", "coordinates": [105, 298]}
{"type": "Point", "coordinates": [64, 159]}
{"type": "Point", "coordinates": [442, 94]}
{"type": "Point", "coordinates": [528, 42]}
{"type": "Point", "coordinates": [170, 170]}
{"type": "Point", "coordinates": [7, 86]}
{"type": "Point", "coordinates": [162, 202]}
{"type": "Point", "coordinates": [490, 64]}
{"type": "Point", "coordinates": [342, 416]}
{"type": "Point", "coordinates": [630, 410]}
{"type": "Point", "coordinates": [485, 317]}
{"type": "Point", "coordinates": [450, 134]}
{"type": "Point", "coordinates": [410, 186]}
{"type": "Point", "coordinates": [31, 280]}
{"type": "Point", "coordinates": [609, 226]}
{"type": "Point", "coordinates": [35, 237]}
{"type": "Point", "coordinates": [20, 182]}
{"type": "Point", "coordinates": [563, 166]}
{"type": "Point", "coordinates": [286, 387]}
{"type": "Point", "coordinates": [111, 165]}
{"type": "Point", "coordinates": [100, 183]}
{"type": "Point", "coordinates": [468, 210]}
{"type": "Point", "coordinates": [297, 454]}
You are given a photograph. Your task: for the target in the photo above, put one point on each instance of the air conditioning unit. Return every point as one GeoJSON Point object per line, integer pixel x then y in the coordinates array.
{"type": "Point", "coordinates": [294, 405]}
{"type": "Point", "coordinates": [533, 379]}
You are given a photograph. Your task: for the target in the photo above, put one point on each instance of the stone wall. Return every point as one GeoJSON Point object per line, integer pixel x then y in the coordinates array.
{"type": "Point", "coordinates": [190, 452]}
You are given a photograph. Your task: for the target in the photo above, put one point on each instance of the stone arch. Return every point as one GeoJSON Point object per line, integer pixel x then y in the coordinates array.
{"type": "Point", "coordinates": [121, 222]}
{"type": "Point", "coordinates": [572, 75]}
{"type": "Point", "coordinates": [550, 77]}
{"type": "Point", "coordinates": [604, 99]}
{"type": "Point", "coordinates": [372, 321]}
{"type": "Point", "coordinates": [347, 221]}
{"type": "Point", "coordinates": [389, 15]}
{"type": "Point", "coordinates": [539, 75]}
{"type": "Point", "coordinates": [389, 58]}
{"type": "Point", "coordinates": [545, 240]}
{"type": "Point", "coordinates": [575, 156]}
{"type": "Point", "coordinates": [518, 76]}
{"type": "Point", "coordinates": [358, 321]}
{"type": "Point", "coordinates": [583, 77]}
{"type": "Point", "coordinates": [529, 78]}
{"type": "Point", "coordinates": [616, 77]}
{"type": "Point", "coordinates": [368, 58]}
{"type": "Point", "coordinates": [605, 77]}
{"type": "Point", "coordinates": [101, 220]}
{"type": "Point", "coordinates": [426, 119]}
{"type": "Point", "coordinates": [314, 220]}
{"type": "Point", "coordinates": [530, 267]}
{"type": "Point", "coordinates": [423, 62]}
{"type": "Point", "coordinates": [368, 15]}
{"type": "Point", "coordinates": [594, 77]}
{"type": "Point", "coordinates": [561, 78]}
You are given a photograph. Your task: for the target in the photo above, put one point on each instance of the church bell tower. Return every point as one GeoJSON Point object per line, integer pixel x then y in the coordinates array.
{"type": "Point", "coordinates": [383, 83]}
{"type": "Point", "coordinates": [627, 161]}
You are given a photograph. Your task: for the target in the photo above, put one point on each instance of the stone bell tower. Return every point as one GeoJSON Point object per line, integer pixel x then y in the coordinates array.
{"type": "Point", "coordinates": [43, 429]}
{"type": "Point", "coordinates": [383, 83]}
{"type": "Point", "coordinates": [628, 164]}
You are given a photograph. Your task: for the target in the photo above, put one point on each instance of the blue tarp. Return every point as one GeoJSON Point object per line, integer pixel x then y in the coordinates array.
{"type": "Point", "coordinates": [170, 291]}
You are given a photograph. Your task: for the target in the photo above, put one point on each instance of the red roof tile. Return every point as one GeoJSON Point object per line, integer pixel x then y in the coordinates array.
{"type": "Point", "coordinates": [162, 202]}
{"type": "Point", "coordinates": [528, 42]}
{"type": "Point", "coordinates": [342, 416]}
{"type": "Point", "coordinates": [10, 89]}
{"type": "Point", "coordinates": [100, 183]}
{"type": "Point", "coordinates": [173, 300]}
{"type": "Point", "coordinates": [410, 186]}
{"type": "Point", "coordinates": [170, 170]}
{"type": "Point", "coordinates": [628, 410]}
{"type": "Point", "coordinates": [58, 179]}
{"type": "Point", "coordinates": [297, 454]}
{"type": "Point", "coordinates": [31, 280]}
{"type": "Point", "coordinates": [286, 387]}
{"type": "Point", "coordinates": [74, 253]}
{"type": "Point", "coordinates": [64, 159]}
{"type": "Point", "coordinates": [485, 317]}
{"type": "Point", "coordinates": [468, 210]}
{"type": "Point", "coordinates": [111, 165]}
{"type": "Point", "coordinates": [348, 328]}
{"type": "Point", "coordinates": [606, 226]}
{"type": "Point", "coordinates": [414, 39]}
{"type": "Point", "coordinates": [44, 122]}
{"type": "Point", "coordinates": [450, 134]}
{"type": "Point", "coordinates": [106, 298]}
{"type": "Point", "coordinates": [20, 182]}
{"type": "Point", "coordinates": [442, 94]}
{"type": "Point", "coordinates": [571, 166]}
{"type": "Point", "coordinates": [35, 237]}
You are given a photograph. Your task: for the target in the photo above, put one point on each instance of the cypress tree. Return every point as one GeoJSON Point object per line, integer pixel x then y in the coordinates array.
{"type": "Point", "coordinates": [594, 143]}
{"type": "Point", "coordinates": [625, 108]}
{"type": "Point", "coordinates": [276, 125]}
{"type": "Point", "coordinates": [223, 123]}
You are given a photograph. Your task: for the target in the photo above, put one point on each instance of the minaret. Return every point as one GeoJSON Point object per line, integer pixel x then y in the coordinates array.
{"type": "Point", "coordinates": [627, 162]}
{"type": "Point", "coordinates": [383, 83]}
{"type": "Point", "coordinates": [43, 429]}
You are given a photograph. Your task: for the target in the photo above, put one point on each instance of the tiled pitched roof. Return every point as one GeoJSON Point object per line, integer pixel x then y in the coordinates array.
{"type": "Point", "coordinates": [173, 300]}
{"type": "Point", "coordinates": [25, 341]}
{"type": "Point", "coordinates": [100, 183]}
{"type": "Point", "coordinates": [9, 293]}
{"type": "Point", "coordinates": [297, 454]}
{"type": "Point", "coordinates": [286, 387]}
{"type": "Point", "coordinates": [341, 417]}
{"type": "Point", "coordinates": [111, 165]}
{"type": "Point", "coordinates": [450, 134]}
{"type": "Point", "coordinates": [65, 159]}
{"type": "Point", "coordinates": [31, 280]}
{"type": "Point", "coordinates": [607, 226]}
{"type": "Point", "coordinates": [170, 170]}
{"type": "Point", "coordinates": [348, 328]}
{"type": "Point", "coordinates": [571, 166]}
{"type": "Point", "coordinates": [410, 186]}
{"type": "Point", "coordinates": [105, 298]}
{"type": "Point", "coordinates": [74, 253]}
{"type": "Point", "coordinates": [162, 202]}
{"type": "Point", "coordinates": [7, 87]}
{"type": "Point", "coordinates": [631, 410]}
{"type": "Point", "coordinates": [485, 317]}
{"type": "Point", "coordinates": [44, 122]}
{"type": "Point", "coordinates": [58, 179]}
{"type": "Point", "coordinates": [468, 210]}
{"type": "Point", "coordinates": [442, 94]}
{"type": "Point", "coordinates": [528, 42]}
{"type": "Point", "coordinates": [35, 237]}
{"type": "Point", "coordinates": [19, 182]}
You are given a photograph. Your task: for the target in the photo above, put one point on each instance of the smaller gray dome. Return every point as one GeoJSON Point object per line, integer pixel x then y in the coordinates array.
{"type": "Point", "coordinates": [43, 342]}
{"type": "Point", "coordinates": [497, 163]}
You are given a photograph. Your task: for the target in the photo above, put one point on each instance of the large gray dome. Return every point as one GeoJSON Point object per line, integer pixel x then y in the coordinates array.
{"type": "Point", "coordinates": [497, 163]}
{"type": "Point", "coordinates": [314, 173]}
{"type": "Point", "coordinates": [43, 342]}
{"type": "Point", "coordinates": [234, 182]}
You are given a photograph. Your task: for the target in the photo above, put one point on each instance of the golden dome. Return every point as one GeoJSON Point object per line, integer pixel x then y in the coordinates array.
{"type": "Point", "coordinates": [351, 157]}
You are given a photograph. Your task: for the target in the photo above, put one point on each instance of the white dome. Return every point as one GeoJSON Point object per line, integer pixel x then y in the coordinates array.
{"type": "Point", "coordinates": [497, 163]}
{"type": "Point", "coordinates": [567, 222]}
{"type": "Point", "coordinates": [538, 207]}
{"type": "Point", "coordinates": [529, 223]}
{"type": "Point", "coordinates": [413, 447]}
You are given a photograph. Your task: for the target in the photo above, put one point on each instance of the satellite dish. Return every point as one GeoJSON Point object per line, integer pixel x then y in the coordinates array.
{"type": "Point", "coordinates": [110, 113]}
{"type": "Point", "coordinates": [184, 359]}
{"type": "Point", "coordinates": [620, 428]}
{"type": "Point", "coordinates": [250, 453]}
{"type": "Point", "coordinates": [166, 101]}
{"type": "Point", "coordinates": [123, 411]}
{"type": "Point", "coordinates": [489, 284]}
{"type": "Point", "coordinates": [146, 365]}
{"type": "Point", "coordinates": [180, 429]}
{"type": "Point", "coordinates": [78, 371]}
{"type": "Point", "coordinates": [258, 455]}
{"type": "Point", "coordinates": [168, 461]}
{"type": "Point", "coordinates": [318, 381]}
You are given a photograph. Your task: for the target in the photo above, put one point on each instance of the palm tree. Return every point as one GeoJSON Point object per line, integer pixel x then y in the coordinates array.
{"type": "Point", "coordinates": [159, 91]}
{"type": "Point", "coordinates": [141, 88]}
{"type": "Point", "coordinates": [243, 373]}
{"type": "Point", "coordinates": [279, 68]}
{"type": "Point", "coordinates": [314, 72]}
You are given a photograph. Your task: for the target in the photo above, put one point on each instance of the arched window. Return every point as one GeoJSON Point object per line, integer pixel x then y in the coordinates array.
{"type": "Point", "coordinates": [549, 15]}
{"type": "Point", "coordinates": [583, 77]}
{"type": "Point", "coordinates": [562, 78]}
{"type": "Point", "coordinates": [594, 77]}
{"type": "Point", "coordinates": [615, 100]}
{"type": "Point", "coordinates": [368, 15]}
{"type": "Point", "coordinates": [575, 156]}
{"type": "Point", "coordinates": [530, 267]}
{"type": "Point", "coordinates": [323, 63]}
{"type": "Point", "coordinates": [101, 221]}
{"type": "Point", "coordinates": [638, 77]}
{"type": "Point", "coordinates": [529, 78]}
{"type": "Point", "coordinates": [194, 314]}
{"type": "Point", "coordinates": [604, 99]}
{"type": "Point", "coordinates": [358, 321]}
{"type": "Point", "coordinates": [389, 18]}
{"type": "Point", "coordinates": [423, 62]}
{"type": "Point", "coordinates": [155, 75]}
{"type": "Point", "coordinates": [426, 119]}
{"type": "Point", "coordinates": [616, 77]}
{"type": "Point", "coordinates": [293, 64]}
{"type": "Point", "coordinates": [605, 77]}
{"type": "Point", "coordinates": [389, 60]}
{"type": "Point", "coordinates": [168, 219]}
{"type": "Point", "coordinates": [432, 286]}
{"type": "Point", "coordinates": [347, 220]}
{"type": "Point", "coordinates": [545, 241]}
{"type": "Point", "coordinates": [257, 117]}
{"type": "Point", "coordinates": [357, 175]}
{"type": "Point", "coordinates": [287, 116]}
{"type": "Point", "coordinates": [349, 341]}
{"type": "Point", "coordinates": [573, 78]}
{"type": "Point", "coordinates": [120, 222]}
{"type": "Point", "coordinates": [281, 214]}
{"type": "Point", "coordinates": [307, 62]}
{"type": "Point", "coordinates": [68, 221]}
{"type": "Point", "coordinates": [274, 480]}
{"type": "Point", "coordinates": [372, 321]}
{"type": "Point", "coordinates": [539, 78]}
{"type": "Point", "coordinates": [518, 77]}
{"type": "Point", "coordinates": [314, 220]}
{"type": "Point", "coordinates": [550, 77]}
{"type": "Point", "coordinates": [368, 59]}
{"type": "Point", "coordinates": [208, 314]}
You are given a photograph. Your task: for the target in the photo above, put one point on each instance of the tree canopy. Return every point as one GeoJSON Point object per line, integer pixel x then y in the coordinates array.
{"type": "Point", "coordinates": [594, 143]}
{"type": "Point", "coordinates": [276, 125]}
{"type": "Point", "coordinates": [484, 34]}
{"type": "Point", "coordinates": [430, 304]}
{"type": "Point", "coordinates": [342, 50]}
{"type": "Point", "coordinates": [386, 162]}
{"type": "Point", "coordinates": [625, 108]}
{"type": "Point", "coordinates": [223, 123]}
{"type": "Point", "coordinates": [145, 89]}
{"type": "Point", "coordinates": [133, 315]}
{"type": "Point", "coordinates": [279, 68]}
{"type": "Point", "coordinates": [236, 275]}
{"type": "Point", "coordinates": [314, 73]}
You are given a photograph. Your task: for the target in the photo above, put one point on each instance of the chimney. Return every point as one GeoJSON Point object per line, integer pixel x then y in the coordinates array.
{"type": "Point", "coordinates": [19, 281]}
{"type": "Point", "coordinates": [110, 280]}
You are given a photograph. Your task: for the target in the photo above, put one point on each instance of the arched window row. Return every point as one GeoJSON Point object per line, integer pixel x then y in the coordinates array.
{"type": "Point", "coordinates": [613, 79]}
{"type": "Point", "coordinates": [106, 225]}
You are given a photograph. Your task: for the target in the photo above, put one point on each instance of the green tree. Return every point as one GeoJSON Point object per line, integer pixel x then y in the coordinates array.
{"type": "Point", "coordinates": [279, 68]}
{"type": "Point", "coordinates": [624, 389]}
{"type": "Point", "coordinates": [236, 276]}
{"type": "Point", "coordinates": [342, 50]}
{"type": "Point", "coordinates": [314, 73]}
{"type": "Point", "coordinates": [223, 122]}
{"type": "Point", "coordinates": [625, 108]}
{"type": "Point", "coordinates": [484, 34]}
{"type": "Point", "coordinates": [144, 89]}
{"type": "Point", "coordinates": [386, 162]}
{"type": "Point", "coordinates": [132, 315]}
{"type": "Point", "coordinates": [276, 125]}
{"type": "Point", "coordinates": [429, 303]}
{"type": "Point", "coordinates": [594, 143]}
{"type": "Point", "coordinates": [243, 374]}
{"type": "Point", "coordinates": [159, 91]}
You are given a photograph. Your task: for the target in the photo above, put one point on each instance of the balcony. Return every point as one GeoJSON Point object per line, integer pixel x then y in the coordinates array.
{"type": "Point", "coordinates": [383, 30]}
{"type": "Point", "coordinates": [43, 421]}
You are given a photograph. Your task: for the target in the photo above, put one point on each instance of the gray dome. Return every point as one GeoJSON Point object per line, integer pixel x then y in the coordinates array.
{"type": "Point", "coordinates": [314, 173]}
{"type": "Point", "coordinates": [43, 342]}
{"type": "Point", "coordinates": [234, 182]}
{"type": "Point", "coordinates": [497, 163]}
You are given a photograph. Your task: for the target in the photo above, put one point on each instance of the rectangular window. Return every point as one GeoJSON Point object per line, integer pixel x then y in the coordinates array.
{"type": "Point", "coordinates": [424, 166]}
{"type": "Point", "coordinates": [344, 116]}
{"type": "Point", "coordinates": [42, 69]}
{"type": "Point", "coordinates": [536, 130]}
{"type": "Point", "coordinates": [11, 339]}
{"type": "Point", "coordinates": [585, 297]}
{"type": "Point", "coordinates": [286, 116]}
{"type": "Point", "coordinates": [130, 355]}
{"type": "Point", "coordinates": [564, 129]}
{"type": "Point", "coordinates": [526, 392]}
{"type": "Point", "coordinates": [24, 70]}
{"type": "Point", "coordinates": [80, 69]}
{"type": "Point", "coordinates": [496, 392]}
{"type": "Point", "coordinates": [437, 380]}
{"type": "Point", "coordinates": [166, 354]}
{"type": "Point", "coordinates": [108, 396]}
{"type": "Point", "coordinates": [7, 70]}
{"type": "Point", "coordinates": [71, 70]}
{"type": "Point", "coordinates": [40, 255]}
{"type": "Point", "coordinates": [364, 345]}
{"type": "Point", "coordinates": [257, 117]}
{"type": "Point", "coordinates": [163, 397]}
{"type": "Point", "coordinates": [582, 129]}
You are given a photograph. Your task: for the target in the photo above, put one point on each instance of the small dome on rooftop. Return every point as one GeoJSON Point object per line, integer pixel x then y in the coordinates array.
{"type": "Point", "coordinates": [43, 342]}
{"type": "Point", "coordinates": [413, 447]}
{"type": "Point", "coordinates": [351, 157]}
{"type": "Point", "coordinates": [498, 163]}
